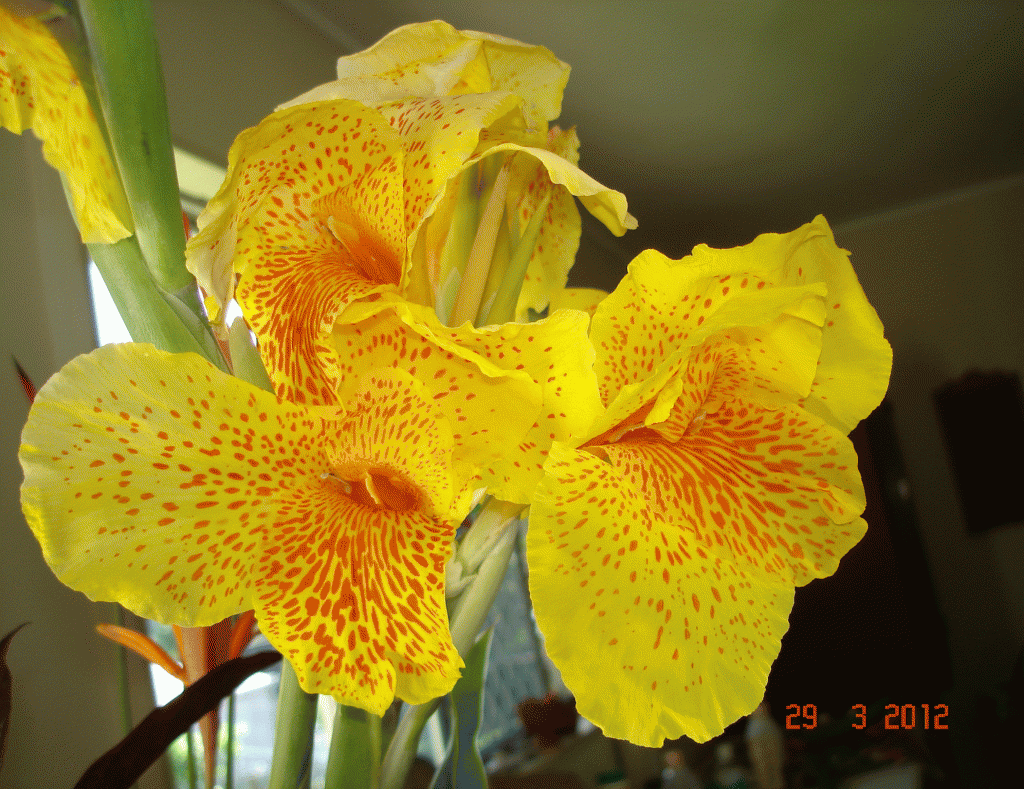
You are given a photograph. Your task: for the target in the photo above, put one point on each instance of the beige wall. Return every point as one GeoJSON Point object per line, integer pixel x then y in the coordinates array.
{"type": "Point", "coordinates": [225, 70]}
{"type": "Point", "coordinates": [947, 279]}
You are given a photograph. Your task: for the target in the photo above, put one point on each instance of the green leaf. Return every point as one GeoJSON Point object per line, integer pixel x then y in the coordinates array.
{"type": "Point", "coordinates": [5, 690]}
{"type": "Point", "coordinates": [122, 765]}
{"type": "Point", "coordinates": [463, 767]}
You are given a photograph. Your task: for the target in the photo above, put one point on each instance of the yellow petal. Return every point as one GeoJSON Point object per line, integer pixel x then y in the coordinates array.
{"type": "Point", "coordinates": [773, 489]}
{"type": "Point", "coordinates": [855, 362]}
{"type": "Point", "coordinates": [159, 482]}
{"type": "Point", "coordinates": [673, 514]}
{"type": "Point", "coordinates": [281, 172]}
{"type": "Point", "coordinates": [39, 91]}
{"type": "Point", "coordinates": [352, 590]}
{"type": "Point", "coordinates": [296, 286]}
{"type": "Point", "coordinates": [491, 408]}
{"type": "Point", "coordinates": [432, 59]}
{"type": "Point", "coordinates": [316, 211]}
{"type": "Point", "coordinates": [682, 641]}
{"type": "Point", "coordinates": [584, 299]}
{"type": "Point", "coordinates": [555, 352]}
{"type": "Point", "coordinates": [664, 307]}
{"type": "Point", "coordinates": [148, 480]}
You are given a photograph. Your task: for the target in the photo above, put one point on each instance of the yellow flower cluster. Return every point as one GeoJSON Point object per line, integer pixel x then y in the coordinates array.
{"type": "Point", "coordinates": [681, 442]}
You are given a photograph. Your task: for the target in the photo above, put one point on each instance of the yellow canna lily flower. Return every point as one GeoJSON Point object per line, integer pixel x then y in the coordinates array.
{"type": "Point", "coordinates": [665, 543]}
{"type": "Point", "coordinates": [39, 90]}
{"type": "Point", "coordinates": [433, 59]}
{"type": "Point", "coordinates": [323, 217]}
{"type": "Point", "coordinates": [187, 495]}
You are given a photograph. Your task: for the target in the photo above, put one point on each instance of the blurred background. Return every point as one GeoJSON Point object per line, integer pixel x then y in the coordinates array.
{"type": "Point", "coordinates": [901, 122]}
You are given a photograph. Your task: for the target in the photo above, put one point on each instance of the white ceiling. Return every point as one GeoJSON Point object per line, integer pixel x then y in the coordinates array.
{"type": "Point", "coordinates": [720, 120]}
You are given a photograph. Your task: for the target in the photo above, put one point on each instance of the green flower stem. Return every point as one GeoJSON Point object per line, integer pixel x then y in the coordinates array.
{"type": "Point", "coordinates": [121, 671]}
{"type": "Point", "coordinates": [354, 759]}
{"type": "Point", "coordinates": [190, 756]}
{"type": "Point", "coordinates": [150, 315]}
{"type": "Point", "coordinates": [457, 242]}
{"type": "Point", "coordinates": [245, 358]}
{"type": "Point", "coordinates": [129, 83]}
{"type": "Point", "coordinates": [471, 608]}
{"type": "Point", "coordinates": [468, 615]}
{"type": "Point", "coordinates": [229, 746]}
{"type": "Point", "coordinates": [293, 735]}
{"type": "Point", "coordinates": [402, 749]}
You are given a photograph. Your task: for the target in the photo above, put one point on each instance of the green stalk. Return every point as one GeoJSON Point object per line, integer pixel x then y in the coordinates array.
{"type": "Point", "coordinates": [478, 265]}
{"type": "Point", "coordinates": [150, 315]}
{"type": "Point", "coordinates": [193, 776]}
{"type": "Point", "coordinates": [354, 758]}
{"type": "Point", "coordinates": [293, 735]}
{"type": "Point", "coordinates": [129, 84]}
{"type": "Point", "coordinates": [245, 359]}
{"type": "Point", "coordinates": [457, 242]}
{"type": "Point", "coordinates": [229, 747]}
{"type": "Point", "coordinates": [470, 610]}
{"type": "Point", "coordinates": [121, 675]}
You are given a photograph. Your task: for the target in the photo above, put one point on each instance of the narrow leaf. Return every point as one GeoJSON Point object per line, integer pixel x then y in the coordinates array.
{"type": "Point", "coordinates": [122, 765]}
{"type": "Point", "coordinates": [5, 690]}
{"type": "Point", "coordinates": [463, 767]}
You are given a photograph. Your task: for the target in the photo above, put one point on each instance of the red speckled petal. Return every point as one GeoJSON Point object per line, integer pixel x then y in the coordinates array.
{"type": "Point", "coordinates": [559, 357]}
{"type": "Point", "coordinates": [279, 175]}
{"type": "Point", "coordinates": [354, 598]}
{"type": "Point", "coordinates": [157, 481]}
{"type": "Point", "coordinates": [855, 361]}
{"type": "Point", "coordinates": [775, 490]}
{"type": "Point", "coordinates": [39, 91]}
{"type": "Point", "coordinates": [682, 640]}
{"type": "Point", "coordinates": [556, 353]}
{"type": "Point", "coordinates": [351, 587]}
{"type": "Point", "coordinates": [297, 286]}
{"type": "Point", "coordinates": [532, 72]}
{"type": "Point", "coordinates": [149, 477]}
{"type": "Point", "coordinates": [662, 304]}
{"type": "Point", "coordinates": [664, 307]}
{"type": "Point", "coordinates": [490, 408]}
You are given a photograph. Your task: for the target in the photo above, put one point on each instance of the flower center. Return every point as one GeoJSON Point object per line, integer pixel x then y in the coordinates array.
{"type": "Point", "coordinates": [367, 250]}
{"type": "Point", "coordinates": [378, 488]}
